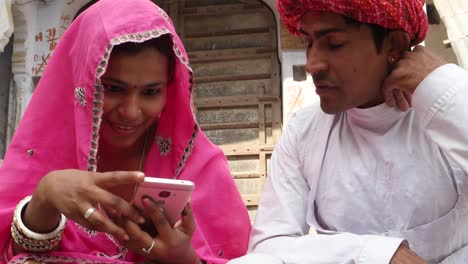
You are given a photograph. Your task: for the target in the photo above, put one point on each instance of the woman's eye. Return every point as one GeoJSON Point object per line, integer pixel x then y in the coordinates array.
{"type": "Point", "coordinates": [152, 91]}
{"type": "Point", "coordinates": [112, 88]}
{"type": "Point", "coordinates": [335, 46]}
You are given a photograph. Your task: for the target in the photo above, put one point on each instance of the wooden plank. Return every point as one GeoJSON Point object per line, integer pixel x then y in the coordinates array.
{"type": "Point", "coordinates": [227, 52]}
{"type": "Point", "coordinates": [263, 171]}
{"type": "Point", "coordinates": [241, 150]}
{"type": "Point", "coordinates": [261, 117]}
{"type": "Point", "coordinates": [246, 68]}
{"type": "Point", "coordinates": [174, 14]}
{"type": "Point", "coordinates": [245, 175]}
{"type": "Point", "coordinates": [231, 32]}
{"type": "Point", "coordinates": [233, 101]}
{"type": "Point", "coordinates": [236, 125]}
{"type": "Point", "coordinates": [276, 107]}
{"type": "Point", "coordinates": [251, 199]}
{"type": "Point", "coordinates": [223, 9]}
{"type": "Point", "coordinates": [228, 42]}
{"type": "Point", "coordinates": [229, 89]}
{"type": "Point", "coordinates": [230, 54]}
{"type": "Point", "coordinates": [227, 78]}
{"type": "Point", "coordinates": [221, 23]}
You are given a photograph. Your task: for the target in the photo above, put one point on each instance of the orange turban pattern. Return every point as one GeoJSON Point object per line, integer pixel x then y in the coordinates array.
{"type": "Point", "coordinates": [405, 15]}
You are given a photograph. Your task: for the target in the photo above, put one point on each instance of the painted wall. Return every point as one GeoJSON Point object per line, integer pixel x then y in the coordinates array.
{"type": "Point", "coordinates": [5, 76]}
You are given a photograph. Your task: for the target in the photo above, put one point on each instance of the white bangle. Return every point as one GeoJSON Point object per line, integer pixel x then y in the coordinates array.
{"type": "Point", "coordinates": [17, 219]}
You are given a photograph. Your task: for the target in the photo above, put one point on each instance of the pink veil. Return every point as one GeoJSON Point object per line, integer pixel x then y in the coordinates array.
{"type": "Point", "coordinates": [60, 130]}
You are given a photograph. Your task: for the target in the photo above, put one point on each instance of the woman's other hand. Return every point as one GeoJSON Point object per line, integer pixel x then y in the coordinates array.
{"type": "Point", "coordinates": [73, 193]}
{"type": "Point", "coordinates": [171, 245]}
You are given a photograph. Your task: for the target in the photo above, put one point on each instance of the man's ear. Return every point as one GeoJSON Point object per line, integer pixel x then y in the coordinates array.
{"type": "Point", "coordinates": [397, 42]}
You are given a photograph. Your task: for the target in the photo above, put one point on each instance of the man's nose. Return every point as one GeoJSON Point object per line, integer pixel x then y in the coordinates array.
{"type": "Point", "coordinates": [317, 63]}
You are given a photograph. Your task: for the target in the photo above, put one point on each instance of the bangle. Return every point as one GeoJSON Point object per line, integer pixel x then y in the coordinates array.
{"type": "Point", "coordinates": [30, 240]}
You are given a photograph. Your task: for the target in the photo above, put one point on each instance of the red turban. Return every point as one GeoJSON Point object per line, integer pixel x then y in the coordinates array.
{"type": "Point", "coordinates": [406, 15]}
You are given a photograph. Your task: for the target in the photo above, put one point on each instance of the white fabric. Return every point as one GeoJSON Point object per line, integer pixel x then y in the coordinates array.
{"type": "Point", "coordinates": [454, 13]}
{"type": "Point", "coordinates": [368, 178]}
{"type": "Point", "coordinates": [6, 23]}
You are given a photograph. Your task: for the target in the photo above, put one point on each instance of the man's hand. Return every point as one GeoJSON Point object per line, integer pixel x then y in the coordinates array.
{"type": "Point", "coordinates": [409, 72]}
{"type": "Point", "coordinates": [404, 255]}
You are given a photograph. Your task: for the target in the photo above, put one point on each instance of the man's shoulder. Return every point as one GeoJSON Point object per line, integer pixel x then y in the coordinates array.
{"type": "Point", "coordinates": [309, 118]}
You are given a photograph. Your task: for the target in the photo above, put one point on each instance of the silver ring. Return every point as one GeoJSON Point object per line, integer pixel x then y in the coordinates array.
{"type": "Point", "coordinates": [148, 250]}
{"type": "Point", "coordinates": [89, 212]}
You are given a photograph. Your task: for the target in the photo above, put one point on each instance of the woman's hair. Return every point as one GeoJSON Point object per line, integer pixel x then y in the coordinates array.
{"type": "Point", "coordinates": [163, 44]}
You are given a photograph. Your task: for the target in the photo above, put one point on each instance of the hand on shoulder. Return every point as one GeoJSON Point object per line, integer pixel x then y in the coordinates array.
{"type": "Point", "coordinates": [409, 72]}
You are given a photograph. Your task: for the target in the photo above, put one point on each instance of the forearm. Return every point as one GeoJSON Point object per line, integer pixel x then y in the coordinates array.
{"type": "Point", "coordinates": [37, 216]}
{"type": "Point", "coordinates": [335, 248]}
{"type": "Point", "coordinates": [40, 216]}
{"type": "Point", "coordinates": [404, 255]}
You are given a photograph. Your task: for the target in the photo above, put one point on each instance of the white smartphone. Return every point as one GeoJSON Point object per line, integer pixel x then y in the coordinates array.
{"type": "Point", "coordinates": [170, 194]}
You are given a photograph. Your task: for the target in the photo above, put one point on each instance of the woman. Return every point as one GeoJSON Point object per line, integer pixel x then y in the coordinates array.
{"type": "Point", "coordinates": [114, 100]}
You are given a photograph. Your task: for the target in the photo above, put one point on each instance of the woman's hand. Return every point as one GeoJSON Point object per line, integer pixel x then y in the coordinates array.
{"type": "Point", "coordinates": [171, 245]}
{"type": "Point", "coordinates": [73, 192]}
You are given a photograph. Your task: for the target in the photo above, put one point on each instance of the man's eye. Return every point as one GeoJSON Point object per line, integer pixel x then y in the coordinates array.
{"type": "Point", "coordinates": [152, 91]}
{"type": "Point", "coordinates": [335, 45]}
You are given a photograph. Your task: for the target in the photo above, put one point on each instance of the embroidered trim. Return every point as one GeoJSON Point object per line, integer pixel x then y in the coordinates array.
{"type": "Point", "coordinates": [102, 66]}
{"type": "Point", "coordinates": [91, 233]}
{"type": "Point", "coordinates": [181, 57]}
{"type": "Point", "coordinates": [80, 96]}
{"type": "Point", "coordinates": [122, 251]}
{"type": "Point", "coordinates": [165, 145]}
{"type": "Point", "coordinates": [187, 151]}
{"type": "Point", "coordinates": [192, 103]}
{"type": "Point", "coordinates": [165, 16]}
{"type": "Point", "coordinates": [58, 259]}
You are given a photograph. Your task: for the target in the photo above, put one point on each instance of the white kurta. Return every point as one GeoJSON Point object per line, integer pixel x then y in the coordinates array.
{"type": "Point", "coordinates": [368, 178]}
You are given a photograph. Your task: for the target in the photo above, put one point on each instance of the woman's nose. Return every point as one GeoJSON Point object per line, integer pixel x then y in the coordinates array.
{"type": "Point", "coordinates": [130, 108]}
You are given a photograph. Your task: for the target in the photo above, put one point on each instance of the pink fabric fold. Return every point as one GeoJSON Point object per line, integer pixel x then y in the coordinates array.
{"type": "Point", "coordinates": [60, 130]}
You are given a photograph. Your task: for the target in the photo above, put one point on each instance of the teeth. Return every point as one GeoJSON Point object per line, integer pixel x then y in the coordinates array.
{"type": "Point", "coordinates": [125, 127]}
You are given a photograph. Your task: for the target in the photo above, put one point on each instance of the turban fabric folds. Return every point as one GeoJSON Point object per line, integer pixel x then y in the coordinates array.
{"type": "Point", "coordinates": [405, 15]}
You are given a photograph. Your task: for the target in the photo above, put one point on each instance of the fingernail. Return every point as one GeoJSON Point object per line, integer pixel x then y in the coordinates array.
{"type": "Point", "coordinates": [161, 209]}
{"type": "Point", "coordinates": [141, 220]}
{"type": "Point", "coordinates": [126, 238]}
{"type": "Point", "coordinates": [147, 202]}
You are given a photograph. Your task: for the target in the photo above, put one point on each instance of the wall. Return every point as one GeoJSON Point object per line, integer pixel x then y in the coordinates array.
{"type": "Point", "coordinates": [5, 76]}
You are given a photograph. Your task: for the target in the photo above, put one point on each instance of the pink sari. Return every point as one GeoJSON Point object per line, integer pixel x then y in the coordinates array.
{"type": "Point", "coordinates": [60, 130]}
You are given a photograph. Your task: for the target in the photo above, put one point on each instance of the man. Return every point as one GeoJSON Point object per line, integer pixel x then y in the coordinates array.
{"type": "Point", "coordinates": [378, 184]}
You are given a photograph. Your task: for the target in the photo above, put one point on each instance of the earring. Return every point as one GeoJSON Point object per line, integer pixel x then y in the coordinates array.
{"type": "Point", "coordinates": [391, 60]}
